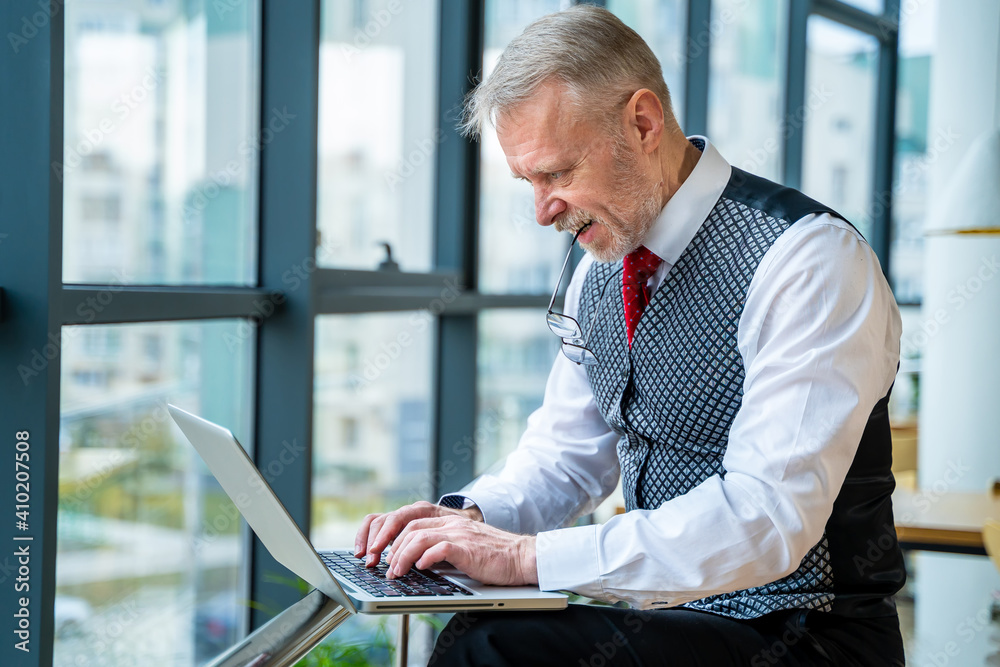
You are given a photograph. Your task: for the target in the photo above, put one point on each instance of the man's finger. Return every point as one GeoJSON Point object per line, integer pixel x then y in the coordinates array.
{"type": "Point", "coordinates": [361, 539]}
{"type": "Point", "coordinates": [390, 526]}
{"type": "Point", "coordinates": [415, 525]}
{"type": "Point", "coordinates": [410, 549]}
{"type": "Point", "coordinates": [440, 552]}
{"type": "Point", "coordinates": [373, 532]}
{"type": "Point", "coordinates": [418, 524]}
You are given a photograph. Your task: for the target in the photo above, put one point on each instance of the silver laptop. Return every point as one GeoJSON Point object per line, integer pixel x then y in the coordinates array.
{"type": "Point", "coordinates": [338, 574]}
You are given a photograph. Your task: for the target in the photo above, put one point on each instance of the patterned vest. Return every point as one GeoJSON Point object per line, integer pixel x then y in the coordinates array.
{"type": "Point", "coordinates": [674, 395]}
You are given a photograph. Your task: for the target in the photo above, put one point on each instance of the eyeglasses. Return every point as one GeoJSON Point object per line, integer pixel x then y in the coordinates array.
{"type": "Point", "coordinates": [574, 344]}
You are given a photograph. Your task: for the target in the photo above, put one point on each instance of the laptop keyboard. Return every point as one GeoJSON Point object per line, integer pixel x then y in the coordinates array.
{"type": "Point", "coordinates": [372, 580]}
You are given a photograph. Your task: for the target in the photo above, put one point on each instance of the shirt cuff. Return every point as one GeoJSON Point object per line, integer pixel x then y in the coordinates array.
{"type": "Point", "coordinates": [567, 560]}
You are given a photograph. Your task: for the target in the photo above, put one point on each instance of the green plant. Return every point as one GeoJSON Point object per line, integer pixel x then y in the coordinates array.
{"type": "Point", "coordinates": [370, 650]}
{"type": "Point", "coordinates": [335, 652]}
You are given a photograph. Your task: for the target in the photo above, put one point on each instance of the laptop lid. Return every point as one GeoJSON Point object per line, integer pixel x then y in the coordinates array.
{"type": "Point", "coordinates": [257, 502]}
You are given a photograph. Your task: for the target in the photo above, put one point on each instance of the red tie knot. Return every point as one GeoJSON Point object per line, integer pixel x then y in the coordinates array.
{"type": "Point", "coordinates": [640, 265]}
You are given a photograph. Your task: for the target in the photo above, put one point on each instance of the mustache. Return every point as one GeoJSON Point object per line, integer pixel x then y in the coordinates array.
{"type": "Point", "coordinates": [575, 221]}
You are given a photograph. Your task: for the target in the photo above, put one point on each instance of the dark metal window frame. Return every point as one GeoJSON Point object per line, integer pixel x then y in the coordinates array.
{"type": "Point", "coordinates": [34, 302]}
{"type": "Point", "coordinates": [884, 28]}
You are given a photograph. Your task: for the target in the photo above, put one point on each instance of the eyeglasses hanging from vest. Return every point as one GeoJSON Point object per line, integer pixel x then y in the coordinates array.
{"type": "Point", "coordinates": [574, 343]}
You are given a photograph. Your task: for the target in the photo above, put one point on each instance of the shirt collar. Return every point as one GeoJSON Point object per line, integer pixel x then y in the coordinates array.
{"type": "Point", "coordinates": [691, 204]}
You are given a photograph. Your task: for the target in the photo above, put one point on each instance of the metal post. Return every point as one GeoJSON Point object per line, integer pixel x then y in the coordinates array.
{"type": "Point", "coordinates": [696, 74]}
{"type": "Point", "coordinates": [403, 640]}
{"type": "Point", "coordinates": [457, 214]}
{"type": "Point", "coordinates": [289, 85]}
{"type": "Point", "coordinates": [795, 92]}
{"type": "Point", "coordinates": [31, 144]}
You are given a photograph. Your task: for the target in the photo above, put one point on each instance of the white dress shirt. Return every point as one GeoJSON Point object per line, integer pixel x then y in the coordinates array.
{"type": "Point", "coordinates": [819, 338]}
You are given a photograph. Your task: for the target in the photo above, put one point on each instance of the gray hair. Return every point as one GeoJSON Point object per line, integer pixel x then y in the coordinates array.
{"type": "Point", "coordinates": [599, 59]}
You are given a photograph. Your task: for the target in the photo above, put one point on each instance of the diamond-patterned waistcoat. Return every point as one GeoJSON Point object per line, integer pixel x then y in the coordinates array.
{"type": "Point", "coordinates": [673, 396]}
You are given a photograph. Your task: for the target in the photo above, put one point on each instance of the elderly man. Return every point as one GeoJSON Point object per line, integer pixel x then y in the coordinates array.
{"type": "Point", "coordinates": [729, 346]}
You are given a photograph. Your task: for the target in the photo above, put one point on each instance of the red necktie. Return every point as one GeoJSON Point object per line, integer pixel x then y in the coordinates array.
{"type": "Point", "coordinates": [640, 264]}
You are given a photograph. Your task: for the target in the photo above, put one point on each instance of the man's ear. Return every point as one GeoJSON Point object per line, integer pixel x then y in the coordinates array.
{"type": "Point", "coordinates": [644, 114]}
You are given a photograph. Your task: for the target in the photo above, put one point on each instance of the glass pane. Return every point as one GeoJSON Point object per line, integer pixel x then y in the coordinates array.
{"type": "Point", "coordinates": [516, 255]}
{"type": "Point", "coordinates": [663, 24]}
{"type": "Point", "coordinates": [917, 146]}
{"type": "Point", "coordinates": [516, 351]}
{"type": "Point", "coordinates": [372, 418]}
{"type": "Point", "coordinates": [372, 451]}
{"type": "Point", "coordinates": [150, 550]}
{"type": "Point", "coordinates": [159, 167]}
{"type": "Point", "coordinates": [378, 132]}
{"type": "Point", "coordinates": [746, 86]}
{"type": "Point", "coordinates": [870, 6]}
{"type": "Point", "coordinates": [838, 156]}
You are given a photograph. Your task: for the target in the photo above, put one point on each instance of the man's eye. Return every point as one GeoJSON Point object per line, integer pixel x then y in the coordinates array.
{"type": "Point", "coordinates": [556, 175]}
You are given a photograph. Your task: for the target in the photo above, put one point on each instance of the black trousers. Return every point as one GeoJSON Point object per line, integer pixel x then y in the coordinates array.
{"type": "Point", "coordinates": [595, 636]}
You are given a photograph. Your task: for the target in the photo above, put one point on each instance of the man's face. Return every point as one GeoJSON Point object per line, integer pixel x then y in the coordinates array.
{"type": "Point", "coordinates": [580, 174]}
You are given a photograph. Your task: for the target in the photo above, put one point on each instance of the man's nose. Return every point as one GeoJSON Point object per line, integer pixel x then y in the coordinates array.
{"type": "Point", "coordinates": [547, 207]}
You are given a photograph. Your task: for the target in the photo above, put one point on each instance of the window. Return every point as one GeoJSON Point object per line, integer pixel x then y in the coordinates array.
{"type": "Point", "coordinates": [164, 124]}
{"type": "Point", "coordinates": [516, 351]}
{"type": "Point", "coordinates": [516, 255]}
{"type": "Point", "coordinates": [372, 450]}
{"type": "Point", "coordinates": [159, 175]}
{"type": "Point", "coordinates": [378, 133]}
{"type": "Point", "coordinates": [841, 70]}
{"type": "Point", "coordinates": [150, 550]}
{"type": "Point", "coordinates": [160, 103]}
{"type": "Point", "coordinates": [917, 146]}
{"type": "Point", "coordinates": [746, 84]}
{"type": "Point", "coordinates": [381, 398]}
{"type": "Point", "coordinates": [661, 23]}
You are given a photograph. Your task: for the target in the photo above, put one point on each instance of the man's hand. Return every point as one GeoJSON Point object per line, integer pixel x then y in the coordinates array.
{"type": "Point", "coordinates": [491, 555]}
{"type": "Point", "coordinates": [378, 530]}
{"type": "Point", "coordinates": [424, 534]}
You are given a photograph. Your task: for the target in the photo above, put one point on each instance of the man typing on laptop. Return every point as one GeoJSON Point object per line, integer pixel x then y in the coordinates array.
{"type": "Point", "coordinates": [728, 349]}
